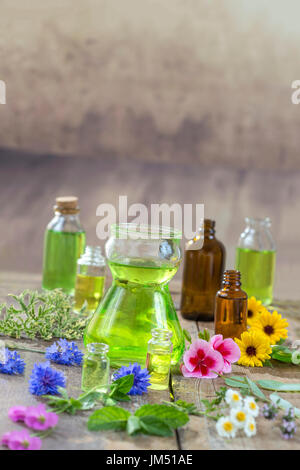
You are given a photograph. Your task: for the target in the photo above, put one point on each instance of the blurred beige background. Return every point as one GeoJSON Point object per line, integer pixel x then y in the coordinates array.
{"type": "Point", "coordinates": [183, 101]}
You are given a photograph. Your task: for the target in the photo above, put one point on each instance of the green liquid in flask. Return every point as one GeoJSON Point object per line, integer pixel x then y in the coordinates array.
{"type": "Point", "coordinates": [257, 273]}
{"type": "Point", "coordinates": [61, 251]}
{"type": "Point", "coordinates": [137, 301]}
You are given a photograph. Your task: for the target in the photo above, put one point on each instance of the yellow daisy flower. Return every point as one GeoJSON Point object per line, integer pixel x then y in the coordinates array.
{"type": "Point", "coordinates": [255, 308]}
{"type": "Point", "coordinates": [255, 348]}
{"type": "Point", "coordinates": [271, 325]}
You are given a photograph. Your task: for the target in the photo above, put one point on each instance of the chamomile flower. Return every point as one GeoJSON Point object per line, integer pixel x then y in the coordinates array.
{"type": "Point", "coordinates": [250, 427]}
{"type": "Point", "coordinates": [239, 416]}
{"type": "Point", "coordinates": [251, 406]}
{"type": "Point", "coordinates": [233, 398]}
{"type": "Point", "coordinates": [226, 427]}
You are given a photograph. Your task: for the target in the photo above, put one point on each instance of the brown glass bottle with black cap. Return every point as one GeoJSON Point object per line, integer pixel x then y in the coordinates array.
{"type": "Point", "coordinates": [231, 307]}
{"type": "Point", "coordinates": [204, 262]}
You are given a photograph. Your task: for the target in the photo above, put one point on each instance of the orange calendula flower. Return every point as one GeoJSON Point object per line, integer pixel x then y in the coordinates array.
{"type": "Point", "coordinates": [271, 325]}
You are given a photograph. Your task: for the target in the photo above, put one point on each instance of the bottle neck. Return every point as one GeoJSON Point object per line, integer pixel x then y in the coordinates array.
{"type": "Point", "coordinates": [231, 280]}
{"type": "Point", "coordinates": [161, 335]}
{"type": "Point", "coordinates": [98, 349]}
{"type": "Point", "coordinates": [92, 256]}
{"type": "Point", "coordinates": [208, 229]}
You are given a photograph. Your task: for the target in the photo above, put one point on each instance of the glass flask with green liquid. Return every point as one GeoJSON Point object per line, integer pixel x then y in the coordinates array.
{"type": "Point", "coordinates": [255, 259]}
{"type": "Point", "coordinates": [142, 261]}
{"type": "Point", "coordinates": [64, 242]}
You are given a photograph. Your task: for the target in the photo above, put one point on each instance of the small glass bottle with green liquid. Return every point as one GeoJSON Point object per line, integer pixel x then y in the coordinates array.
{"type": "Point", "coordinates": [63, 244]}
{"type": "Point", "coordinates": [255, 259]}
{"type": "Point", "coordinates": [96, 367]}
{"type": "Point", "coordinates": [90, 279]}
{"type": "Point", "coordinates": [158, 360]}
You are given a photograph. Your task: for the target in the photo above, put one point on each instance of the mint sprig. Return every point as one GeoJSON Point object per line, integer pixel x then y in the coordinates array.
{"type": "Point", "coordinates": [158, 420]}
{"type": "Point", "coordinates": [117, 391]}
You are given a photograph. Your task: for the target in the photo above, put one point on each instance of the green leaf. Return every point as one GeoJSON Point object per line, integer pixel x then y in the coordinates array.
{"type": "Point", "coordinates": [279, 386]}
{"type": "Point", "coordinates": [204, 335]}
{"type": "Point", "coordinates": [108, 417]}
{"type": "Point", "coordinates": [155, 426]}
{"type": "Point", "coordinates": [133, 425]}
{"type": "Point", "coordinates": [124, 384]}
{"type": "Point", "coordinates": [181, 405]}
{"type": "Point", "coordinates": [88, 400]}
{"type": "Point", "coordinates": [255, 390]}
{"type": "Point", "coordinates": [283, 404]}
{"type": "Point", "coordinates": [235, 383]}
{"type": "Point", "coordinates": [63, 392]}
{"type": "Point", "coordinates": [171, 416]}
{"type": "Point", "coordinates": [187, 336]}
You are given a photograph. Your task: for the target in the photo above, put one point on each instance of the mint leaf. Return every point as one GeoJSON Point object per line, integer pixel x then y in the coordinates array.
{"type": "Point", "coordinates": [155, 426]}
{"type": "Point", "coordinates": [133, 425]}
{"type": "Point", "coordinates": [173, 417]}
{"type": "Point", "coordinates": [122, 385]}
{"type": "Point", "coordinates": [108, 417]}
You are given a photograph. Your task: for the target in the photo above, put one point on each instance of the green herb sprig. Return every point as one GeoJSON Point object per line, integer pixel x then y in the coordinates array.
{"type": "Point", "coordinates": [157, 420]}
{"type": "Point", "coordinates": [43, 315]}
{"type": "Point", "coordinates": [117, 391]}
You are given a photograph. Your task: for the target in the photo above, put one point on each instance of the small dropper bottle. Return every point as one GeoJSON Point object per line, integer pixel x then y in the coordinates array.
{"type": "Point", "coordinates": [231, 307]}
{"type": "Point", "coordinates": [96, 367]}
{"type": "Point", "coordinates": [159, 358]}
{"type": "Point", "coordinates": [90, 279]}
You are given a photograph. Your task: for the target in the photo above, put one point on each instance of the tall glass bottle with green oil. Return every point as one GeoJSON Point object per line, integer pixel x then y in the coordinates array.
{"type": "Point", "coordinates": [64, 242]}
{"type": "Point", "coordinates": [142, 261]}
{"type": "Point", "coordinates": [256, 258]}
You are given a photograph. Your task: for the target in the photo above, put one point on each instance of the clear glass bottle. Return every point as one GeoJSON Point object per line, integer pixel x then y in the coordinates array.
{"type": "Point", "coordinates": [64, 242]}
{"type": "Point", "coordinates": [231, 307]}
{"type": "Point", "coordinates": [90, 279]}
{"type": "Point", "coordinates": [143, 260]}
{"type": "Point", "coordinates": [202, 276]}
{"type": "Point", "coordinates": [159, 358]}
{"type": "Point", "coordinates": [96, 367]}
{"type": "Point", "coordinates": [256, 258]}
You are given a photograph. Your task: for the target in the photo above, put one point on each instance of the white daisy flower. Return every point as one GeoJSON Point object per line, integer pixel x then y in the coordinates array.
{"type": "Point", "coordinates": [226, 427]}
{"type": "Point", "coordinates": [251, 406]}
{"type": "Point", "coordinates": [233, 398]}
{"type": "Point", "coordinates": [239, 416]}
{"type": "Point", "coordinates": [250, 427]}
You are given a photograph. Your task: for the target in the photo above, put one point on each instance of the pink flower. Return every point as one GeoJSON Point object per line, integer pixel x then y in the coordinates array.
{"type": "Point", "coordinates": [17, 413]}
{"type": "Point", "coordinates": [21, 440]}
{"type": "Point", "coordinates": [228, 349]}
{"type": "Point", "coordinates": [201, 360]}
{"type": "Point", "coordinates": [39, 419]}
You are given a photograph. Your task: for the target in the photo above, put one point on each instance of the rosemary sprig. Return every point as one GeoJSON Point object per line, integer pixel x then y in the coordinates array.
{"type": "Point", "coordinates": [43, 315]}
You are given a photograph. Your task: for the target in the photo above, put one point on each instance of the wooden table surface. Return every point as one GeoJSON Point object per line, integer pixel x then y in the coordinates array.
{"type": "Point", "coordinates": [199, 433]}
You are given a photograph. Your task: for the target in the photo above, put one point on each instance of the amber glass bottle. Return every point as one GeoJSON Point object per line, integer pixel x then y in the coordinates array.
{"type": "Point", "coordinates": [203, 268]}
{"type": "Point", "coordinates": [231, 307]}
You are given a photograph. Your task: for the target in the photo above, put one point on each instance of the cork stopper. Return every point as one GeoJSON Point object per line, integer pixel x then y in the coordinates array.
{"type": "Point", "coordinates": [67, 205]}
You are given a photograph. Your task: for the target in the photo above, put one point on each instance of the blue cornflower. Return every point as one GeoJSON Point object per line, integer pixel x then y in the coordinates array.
{"type": "Point", "coordinates": [64, 352]}
{"type": "Point", "coordinates": [141, 378]}
{"type": "Point", "coordinates": [45, 380]}
{"type": "Point", "coordinates": [13, 365]}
